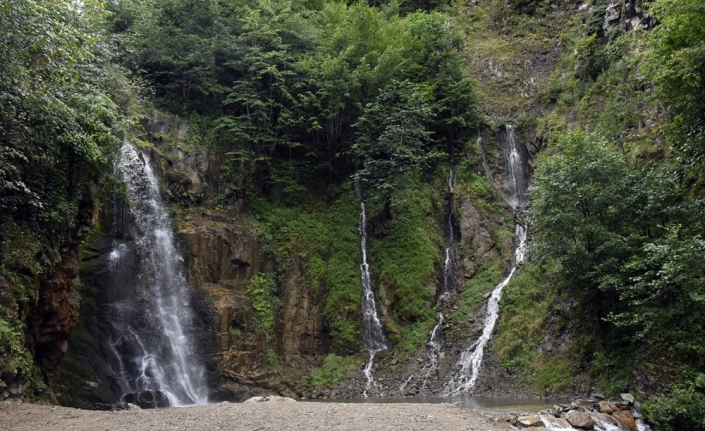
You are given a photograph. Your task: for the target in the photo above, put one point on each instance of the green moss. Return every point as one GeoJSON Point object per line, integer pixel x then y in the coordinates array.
{"type": "Point", "coordinates": [273, 360]}
{"type": "Point", "coordinates": [554, 375]}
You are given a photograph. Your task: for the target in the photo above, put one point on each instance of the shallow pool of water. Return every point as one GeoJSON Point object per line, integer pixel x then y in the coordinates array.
{"type": "Point", "coordinates": [526, 404]}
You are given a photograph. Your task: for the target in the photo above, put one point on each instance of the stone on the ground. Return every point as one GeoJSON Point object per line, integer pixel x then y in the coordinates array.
{"type": "Point", "coordinates": [580, 419]}
{"type": "Point", "coordinates": [561, 422]}
{"type": "Point", "coordinates": [628, 398]}
{"type": "Point", "coordinates": [254, 400]}
{"type": "Point", "coordinates": [529, 421]}
{"type": "Point", "coordinates": [606, 407]}
{"type": "Point", "coordinates": [611, 421]}
{"type": "Point", "coordinates": [270, 398]}
{"type": "Point", "coordinates": [598, 396]}
{"type": "Point", "coordinates": [133, 407]}
{"type": "Point", "coordinates": [277, 398]}
{"type": "Point", "coordinates": [626, 417]}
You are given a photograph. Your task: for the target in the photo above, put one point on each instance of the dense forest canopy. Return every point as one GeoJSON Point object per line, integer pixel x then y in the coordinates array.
{"type": "Point", "coordinates": [300, 95]}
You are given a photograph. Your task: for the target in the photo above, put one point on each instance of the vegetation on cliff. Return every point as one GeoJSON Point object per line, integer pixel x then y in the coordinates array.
{"type": "Point", "coordinates": [297, 96]}
{"type": "Point", "coordinates": [63, 111]}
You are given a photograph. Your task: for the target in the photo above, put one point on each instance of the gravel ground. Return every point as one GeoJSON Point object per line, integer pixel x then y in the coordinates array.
{"type": "Point", "coordinates": [252, 417]}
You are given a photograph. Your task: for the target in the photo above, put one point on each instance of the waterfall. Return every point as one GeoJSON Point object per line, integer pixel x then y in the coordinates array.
{"type": "Point", "coordinates": [463, 380]}
{"type": "Point", "coordinates": [467, 369]}
{"type": "Point", "coordinates": [449, 282]}
{"type": "Point", "coordinates": [448, 289]}
{"type": "Point", "coordinates": [515, 167]}
{"type": "Point", "coordinates": [373, 336]}
{"type": "Point", "coordinates": [153, 324]}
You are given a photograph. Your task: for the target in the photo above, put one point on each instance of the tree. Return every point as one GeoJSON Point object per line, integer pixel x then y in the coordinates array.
{"type": "Point", "coordinates": [676, 63]}
{"type": "Point", "coordinates": [392, 135]}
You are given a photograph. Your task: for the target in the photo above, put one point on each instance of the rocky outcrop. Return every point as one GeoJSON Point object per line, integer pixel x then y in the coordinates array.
{"type": "Point", "coordinates": [52, 321]}
{"type": "Point", "coordinates": [476, 237]}
{"type": "Point", "coordinates": [301, 325]}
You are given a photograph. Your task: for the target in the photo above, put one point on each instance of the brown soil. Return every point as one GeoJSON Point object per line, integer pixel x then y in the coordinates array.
{"type": "Point", "coordinates": [252, 417]}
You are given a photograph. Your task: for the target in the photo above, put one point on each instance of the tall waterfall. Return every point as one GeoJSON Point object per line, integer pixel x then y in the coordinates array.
{"type": "Point", "coordinates": [467, 369]}
{"type": "Point", "coordinates": [151, 314]}
{"type": "Point", "coordinates": [373, 336]}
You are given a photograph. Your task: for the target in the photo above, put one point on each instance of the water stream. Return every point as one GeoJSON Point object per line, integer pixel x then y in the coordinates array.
{"type": "Point", "coordinates": [465, 372]}
{"type": "Point", "coordinates": [153, 357]}
{"type": "Point", "coordinates": [448, 289]}
{"type": "Point", "coordinates": [373, 336]}
{"type": "Point", "coordinates": [462, 379]}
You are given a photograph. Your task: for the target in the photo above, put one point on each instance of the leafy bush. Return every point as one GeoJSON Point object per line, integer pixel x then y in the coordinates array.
{"type": "Point", "coordinates": [335, 368]}
{"type": "Point", "coordinates": [682, 408]}
{"type": "Point", "coordinates": [262, 290]}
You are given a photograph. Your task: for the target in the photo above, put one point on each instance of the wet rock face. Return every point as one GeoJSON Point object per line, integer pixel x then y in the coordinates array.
{"type": "Point", "coordinates": [51, 323]}
{"type": "Point", "coordinates": [221, 261]}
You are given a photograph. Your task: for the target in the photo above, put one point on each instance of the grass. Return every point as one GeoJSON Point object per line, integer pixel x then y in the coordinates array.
{"type": "Point", "coordinates": [485, 280]}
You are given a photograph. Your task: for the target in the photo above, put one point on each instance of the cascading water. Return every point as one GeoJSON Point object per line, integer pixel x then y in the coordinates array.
{"type": "Point", "coordinates": [448, 289]}
{"type": "Point", "coordinates": [463, 379]}
{"type": "Point", "coordinates": [467, 369]}
{"type": "Point", "coordinates": [516, 169]}
{"type": "Point", "coordinates": [373, 336]}
{"type": "Point", "coordinates": [154, 359]}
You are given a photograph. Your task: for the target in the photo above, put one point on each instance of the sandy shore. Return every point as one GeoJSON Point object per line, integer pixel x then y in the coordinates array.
{"type": "Point", "coordinates": [252, 417]}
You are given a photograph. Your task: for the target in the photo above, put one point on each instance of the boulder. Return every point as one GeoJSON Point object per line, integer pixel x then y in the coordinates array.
{"type": "Point", "coordinates": [270, 398]}
{"type": "Point", "coordinates": [529, 421]}
{"type": "Point", "coordinates": [629, 398]}
{"type": "Point", "coordinates": [625, 417]}
{"type": "Point", "coordinates": [254, 400]}
{"type": "Point", "coordinates": [133, 408]}
{"type": "Point", "coordinates": [580, 419]}
{"type": "Point", "coordinates": [277, 398]}
{"type": "Point", "coordinates": [606, 407]}
{"type": "Point", "coordinates": [607, 419]}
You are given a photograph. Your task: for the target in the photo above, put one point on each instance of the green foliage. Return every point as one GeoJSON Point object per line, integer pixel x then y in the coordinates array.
{"type": "Point", "coordinates": [405, 257]}
{"type": "Point", "coordinates": [63, 112]}
{"type": "Point", "coordinates": [392, 135]}
{"type": "Point", "coordinates": [676, 63]}
{"type": "Point", "coordinates": [273, 360]}
{"type": "Point", "coordinates": [484, 281]}
{"type": "Point", "coordinates": [335, 368]}
{"type": "Point", "coordinates": [262, 290]}
{"type": "Point", "coordinates": [325, 236]}
{"type": "Point", "coordinates": [683, 407]}
{"type": "Point", "coordinates": [283, 83]}
{"type": "Point", "coordinates": [554, 376]}
{"type": "Point", "coordinates": [525, 304]}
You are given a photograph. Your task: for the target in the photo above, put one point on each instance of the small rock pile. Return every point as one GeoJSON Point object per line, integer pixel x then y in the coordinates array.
{"type": "Point", "coordinates": [596, 413]}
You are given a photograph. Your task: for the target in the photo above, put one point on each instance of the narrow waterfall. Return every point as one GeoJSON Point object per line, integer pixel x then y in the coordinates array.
{"type": "Point", "coordinates": [467, 369]}
{"type": "Point", "coordinates": [463, 379]}
{"type": "Point", "coordinates": [373, 336]}
{"type": "Point", "coordinates": [448, 289]}
{"type": "Point", "coordinates": [151, 314]}
{"type": "Point", "coordinates": [515, 168]}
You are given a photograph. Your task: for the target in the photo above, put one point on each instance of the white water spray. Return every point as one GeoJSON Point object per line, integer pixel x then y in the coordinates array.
{"type": "Point", "coordinates": [373, 335]}
{"type": "Point", "coordinates": [468, 366]}
{"type": "Point", "coordinates": [156, 358]}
